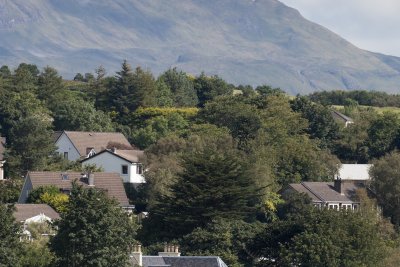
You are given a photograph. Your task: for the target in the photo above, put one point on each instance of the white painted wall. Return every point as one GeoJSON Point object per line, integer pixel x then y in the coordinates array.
{"type": "Point", "coordinates": [64, 145]}
{"type": "Point", "coordinates": [1, 170]}
{"type": "Point", "coordinates": [111, 163]}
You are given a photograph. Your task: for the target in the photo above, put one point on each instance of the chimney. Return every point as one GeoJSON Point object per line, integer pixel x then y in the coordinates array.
{"type": "Point", "coordinates": [136, 255]}
{"type": "Point", "coordinates": [90, 179]}
{"type": "Point", "coordinates": [170, 251]}
{"type": "Point", "coordinates": [337, 184]}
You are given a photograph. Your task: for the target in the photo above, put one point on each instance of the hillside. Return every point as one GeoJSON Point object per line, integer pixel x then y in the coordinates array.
{"type": "Point", "coordinates": [244, 41]}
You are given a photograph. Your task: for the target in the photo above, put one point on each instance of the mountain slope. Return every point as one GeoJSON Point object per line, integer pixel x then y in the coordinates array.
{"type": "Point", "coordinates": [244, 41]}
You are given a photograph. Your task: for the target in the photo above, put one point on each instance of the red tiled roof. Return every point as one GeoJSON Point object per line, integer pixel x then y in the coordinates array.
{"type": "Point", "coordinates": [96, 140]}
{"type": "Point", "coordinates": [25, 211]}
{"type": "Point", "coordinates": [110, 182]}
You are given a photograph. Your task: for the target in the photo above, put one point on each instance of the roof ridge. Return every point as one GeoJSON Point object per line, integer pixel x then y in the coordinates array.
{"type": "Point", "coordinates": [91, 132]}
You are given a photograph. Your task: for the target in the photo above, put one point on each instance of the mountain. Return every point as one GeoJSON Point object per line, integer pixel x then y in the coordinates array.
{"type": "Point", "coordinates": [244, 41]}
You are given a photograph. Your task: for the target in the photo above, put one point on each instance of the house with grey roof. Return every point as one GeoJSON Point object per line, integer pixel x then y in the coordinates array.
{"type": "Point", "coordinates": [341, 118]}
{"type": "Point", "coordinates": [124, 162]}
{"type": "Point", "coordinates": [339, 194]}
{"type": "Point", "coordinates": [2, 160]}
{"type": "Point", "coordinates": [111, 183]}
{"type": "Point", "coordinates": [73, 145]}
{"type": "Point", "coordinates": [171, 257]}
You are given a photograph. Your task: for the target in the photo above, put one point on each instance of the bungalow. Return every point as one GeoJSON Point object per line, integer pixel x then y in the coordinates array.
{"type": "Point", "coordinates": [124, 162]}
{"type": "Point", "coordinates": [171, 257]}
{"type": "Point", "coordinates": [77, 145]}
{"type": "Point", "coordinates": [339, 194]}
{"type": "Point", "coordinates": [2, 161]}
{"type": "Point", "coordinates": [111, 183]}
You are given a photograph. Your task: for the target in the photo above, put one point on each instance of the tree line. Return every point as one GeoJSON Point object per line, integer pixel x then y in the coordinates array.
{"type": "Point", "coordinates": [361, 97]}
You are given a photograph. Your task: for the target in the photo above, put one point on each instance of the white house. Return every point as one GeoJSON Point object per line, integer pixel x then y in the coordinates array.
{"type": "Point", "coordinates": [2, 161]}
{"type": "Point", "coordinates": [77, 145]}
{"type": "Point", "coordinates": [124, 162]}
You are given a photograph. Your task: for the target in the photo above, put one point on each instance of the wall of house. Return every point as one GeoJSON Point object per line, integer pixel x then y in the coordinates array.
{"type": "Point", "coordinates": [26, 189]}
{"type": "Point", "coordinates": [111, 163]}
{"type": "Point", "coordinates": [1, 170]}
{"type": "Point", "coordinates": [134, 176]}
{"type": "Point", "coordinates": [64, 145]}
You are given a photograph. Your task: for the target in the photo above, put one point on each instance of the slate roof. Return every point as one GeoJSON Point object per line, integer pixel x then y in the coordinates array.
{"type": "Point", "coordinates": [96, 140]}
{"type": "Point", "coordinates": [183, 261]}
{"type": "Point", "coordinates": [110, 182]}
{"type": "Point", "coordinates": [25, 211]}
{"type": "Point", "coordinates": [354, 172]}
{"type": "Point", "coordinates": [340, 116]}
{"type": "Point", "coordinates": [131, 156]}
{"type": "Point", "coordinates": [325, 191]}
{"type": "Point", "coordinates": [2, 147]}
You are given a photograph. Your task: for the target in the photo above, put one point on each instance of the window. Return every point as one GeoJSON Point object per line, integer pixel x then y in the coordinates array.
{"type": "Point", "coordinates": [65, 155]}
{"type": "Point", "coordinates": [139, 169]}
{"type": "Point", "coordinates": [64, 177]}
{"type": "Point", "coordinates": [333, 206]}
{"type": "Point", "coordinates": [346, 206]}
{"type": "Point", "coordinates": [124, 169]}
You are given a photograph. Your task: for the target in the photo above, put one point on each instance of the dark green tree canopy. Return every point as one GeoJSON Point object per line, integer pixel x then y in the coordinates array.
{"type": "Point", "coordinates": [94, 232]}
{"type": "Point", "coordinates": [213, 184]}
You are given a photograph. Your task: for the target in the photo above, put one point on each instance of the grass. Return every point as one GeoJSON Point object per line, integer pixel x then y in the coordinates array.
{"type": "Point", "coordinates": [379, 110]}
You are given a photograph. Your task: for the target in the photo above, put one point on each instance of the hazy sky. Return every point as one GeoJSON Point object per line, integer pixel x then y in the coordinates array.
{"type": "Point", "coordinates": [369, 24]}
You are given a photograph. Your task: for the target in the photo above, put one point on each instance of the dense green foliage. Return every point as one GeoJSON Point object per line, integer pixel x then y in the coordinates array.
{"type": "Point", "coordinates": [8, 237]}
{"type": "Point", "coordinates": [49, 195]}
{"type": "Point", "coordinates": [367, 98]}
{"type": "Point", "coordinates": [216, 157]}
{"type": "Point", "coordinates": [386, 184]}
{"type": "Point", "coordinates": [305, 236]}
{"type": "Point", "coordinates": [94, 231]}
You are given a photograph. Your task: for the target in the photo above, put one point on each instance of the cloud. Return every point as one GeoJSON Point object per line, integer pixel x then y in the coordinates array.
{"type": "Point", "coordinates": [369, 24]}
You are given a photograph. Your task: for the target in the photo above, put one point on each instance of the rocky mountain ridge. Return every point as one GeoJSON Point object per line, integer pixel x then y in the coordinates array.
{"type": "Point", "coordinates": [244, 41]}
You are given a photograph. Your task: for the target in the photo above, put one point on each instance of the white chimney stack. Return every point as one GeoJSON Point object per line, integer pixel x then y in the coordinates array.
{"type": "Point", "coordinates": [137, 256]}
{"type": "Point", "coordinates": [90, 179]}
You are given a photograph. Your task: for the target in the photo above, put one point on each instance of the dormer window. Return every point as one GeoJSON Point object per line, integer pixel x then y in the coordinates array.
{"type": "Point", "coordinates": [90, 151]}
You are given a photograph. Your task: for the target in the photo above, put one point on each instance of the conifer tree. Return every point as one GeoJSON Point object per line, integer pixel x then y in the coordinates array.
{"type": "Point", "coordinates": [8, 237]}
{"type": "Point", "coordinates": [94, 231]}
{"type": "Point", "coordinates": [213, 185]}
